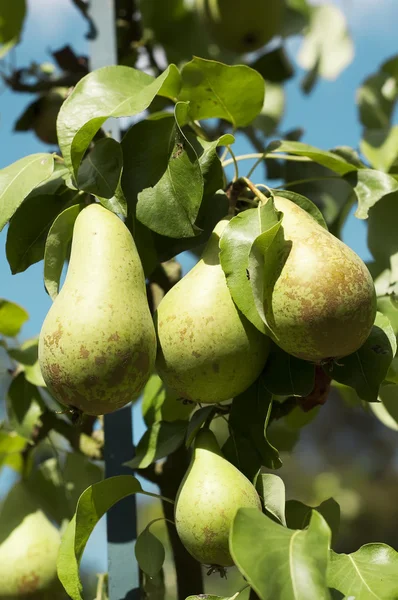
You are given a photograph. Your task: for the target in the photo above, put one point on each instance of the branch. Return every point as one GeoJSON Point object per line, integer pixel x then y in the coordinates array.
{"type": "Point", "coordinates": [17, 85]}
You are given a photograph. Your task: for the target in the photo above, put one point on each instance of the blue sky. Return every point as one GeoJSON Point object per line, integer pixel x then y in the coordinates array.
{"type": "Point", "coordinates": [328, 115]}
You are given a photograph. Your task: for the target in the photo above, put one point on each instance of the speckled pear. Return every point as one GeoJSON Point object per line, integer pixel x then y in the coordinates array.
{"type": "Point", "coordinates": [207, 501]}
{"type": "Point", "coordinates": [28, 560]}
{"type": "Point", "coordinates": [320, 302]}
{"type": "Point", "coordinates": [97, 345]}
{"type": "Point", "coordinates": [207, 350]}
{"type": "Point", "coordinates": [242, 26]}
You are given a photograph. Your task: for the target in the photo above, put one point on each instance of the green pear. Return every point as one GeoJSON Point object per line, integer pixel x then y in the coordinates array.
{"type": "Point", "coordinates": [28, 560]}
{"type": "Point", "coordinates": [320, 300]}
{"type": "Point", "coordinates": [97, 345]}
{"type": "Point", "coordinates": [207, 501]}
{"type": "Point", "coordinates": [241, 26]}
{"type": "Point", "coordinates": [207, 350]}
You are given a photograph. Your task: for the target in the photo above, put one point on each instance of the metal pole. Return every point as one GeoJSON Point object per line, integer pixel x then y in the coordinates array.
{"type": "Point", "coordinates": [123, 571]}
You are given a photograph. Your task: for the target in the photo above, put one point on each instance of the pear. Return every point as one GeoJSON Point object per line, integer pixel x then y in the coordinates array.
{"type": "Point", "coordinates": [28, 560]}
{"type": "Point", "coordinates": [97, 344]}
{"type": "Point", "coordinates": [320, 300]}
{"type": "Point", "coordinates": [207, 501]}
{"type": "Point", "coordinates": [207, 350]}
{"type": "Point", "coordinates": [241, 26]}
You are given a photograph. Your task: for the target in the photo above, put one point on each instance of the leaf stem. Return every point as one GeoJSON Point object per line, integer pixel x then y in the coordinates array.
{"type": "Point", "coordinates": [261, 156]}
{"type": "Point", "coordinates": [307, 180]}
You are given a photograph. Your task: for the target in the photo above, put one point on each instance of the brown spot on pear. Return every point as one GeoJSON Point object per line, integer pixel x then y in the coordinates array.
{"type": "Point", "coordinates": [207, 501]}
{"type": "Point", "coordinates": [320, 301]}
{"type": "Point", "coordinates": [207, 330]}
{"type": "Point", "coordinates": [104, 288]}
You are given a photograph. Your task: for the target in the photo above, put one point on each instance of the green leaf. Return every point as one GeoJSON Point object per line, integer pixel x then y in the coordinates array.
{"type": "Point", "coordinates": [211, 88]}
{"type": "Point", "coordinates": [25, 406]}
{"type": "Point", "coordinates": [380, 147]}
{"type": "Point", "coordinates": [376, 99]}
{"type": "Point", "coordinates": [286, 375]}
{"type": "Point", "coordinates": [12, 317]}
{"type": "Point", "coordinates": [12, 16]}
{"type": "Point", "coordinates": [387, 409]}
{"type": "Point", "coordinates": [367, 367]}
{"type": "Point", "coordinates": [332, 161]}
{"type": "Point", "coordinates": [382, 226]}
{"type": "Point", "coordinates": [298, 515]}
{"type": "Point", "coordinates": [170, 199]}
{"type": "Point", "coordinates": [370, 573]}
{"type": "Point", "coordinates": [279, 562]}
{"type": "Point", "coordinates": [56, 249]}
{"type": "Point", "coordinates": [100, 172]}
{"type": "Point", "coordinates": [119, 92]}
{"type": "Point", "coordinates": [235, 245]}
{"type": "Point", "coordinates": [161, 404]}
{"type": "Point", "coordinates": [28, 229]}
{"type": "Point", "coordinates": [369, 187]}
{"type": "Point", "coordinates": [275, 67]}
{"type": "Point", "coordinates": [149, 552]}
{"type": "Point", "coordinates": [272, 492]}
{"type": "Point", "coordinates": [19, 179]}
{"type": "Point", "coordinates": [249, 417]}
{"type": "Point", "coordinates": [198, 418]}
{"type": "Point", "coordinates": [272, 111]}
{"type": "Point", "coordinates": [160, 440]}
{"type": "Point", "coordinates": [11, 447]}
{"type": "Point", "coordinates": [94, 502]}
{"type": "Point", "coordinates": [329, 54]}
{"type": "Point", "coordinates": [27, 356]}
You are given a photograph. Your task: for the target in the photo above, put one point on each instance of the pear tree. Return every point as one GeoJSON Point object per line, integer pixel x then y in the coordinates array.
{"type": "Point", "coordinates": [228, 363]}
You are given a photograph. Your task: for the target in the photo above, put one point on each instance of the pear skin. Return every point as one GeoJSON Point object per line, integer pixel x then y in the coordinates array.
{"type": "Point", "coordinates": [28, 559]}
{"type": "Point", "coordinates": [97, 345]}
{"type": "Point", "coordinates": [321, 300]}
{"type": "Point", "coordinates": [207, 350]}
{"type": "Point", "coordinates": [242, 26]}
{"type": "Point", "coordinates": [207, 501]}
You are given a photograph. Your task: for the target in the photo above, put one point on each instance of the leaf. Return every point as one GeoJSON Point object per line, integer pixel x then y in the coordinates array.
{"type": "Point", "coordinates": [211, 88]}
{"type": "Point", "coordinates": [167, 193]}
{"type": "Point", "coordinates": [56, 248]}
{"type": "Point", "coordinates": [275, 67]}
{"type": "Point", "coordinates": [272, 111]}
{"type": "Point", "coordinates": [27, 356]}
{"type": "Point", "coordinates": [331, 53]}
{"type": "Point", "coordinates": [18, 179]}
{"type": "Point", "coordinates": [369, 187]}
{"type": "Point", "coordinates": [28, 229]}
{"type": "Point", "coordinates": [380, 147]}
{"type": "Point", "coordinates": [249, 417]}
{"type": "Point", "coordinates": [12, 16]}
{"type": "Point", "coordinates": [198, 418]}
{"type": "Point", "coordinates": [149, 552]}
{"type": "Point", "coordinates": [286, 375]}
{"type": "Point", "coordinates": [25, 405]}
{"type": "Point", "coordinates": [387, 409]}
{"type": "Point", "coordinates": [298, 515]}
{"type": "Point", "coordinates": [94, 502]}
{"type": "Point", "coordinates": [114, 91]}
{"type": "Point", "coordinates": [160, 440]}
{"type": "Point", "coordinates": [272, 492]}
{"type": "Point", "coordinates": [376, 99]}
{"type": "Point", "coordinates": [235, 245]}
{"type": "Point", "coordinates": [304, 203]}
{"type": "Point", "coordinates": [161, 404]}
{"type": "Point", "coordinates": [170, 201]}
{"type": "Point", "coordinates": [382, 226]}
{"type": "Point", "coordinates": [330, 160]}
{"type": "Point", "coordinates": [11, 447]}
{"type": "Point", "coordinates": [12, 317]}
{"type": "Point", "coordinates": [100, 171]}
{"type": "Point", "coordinates": [370, 573]}
{"type": "Point", "coordinates": [279, 562]}
{"type": "Point", "coordinates": [367, 367]}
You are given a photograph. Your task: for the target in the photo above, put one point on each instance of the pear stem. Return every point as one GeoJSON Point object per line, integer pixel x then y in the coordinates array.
{"type": "Point", "coordinates": [263, 199]}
